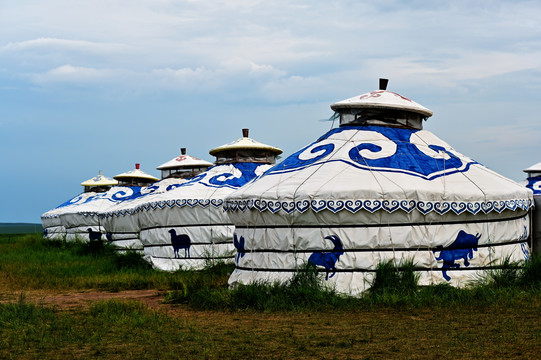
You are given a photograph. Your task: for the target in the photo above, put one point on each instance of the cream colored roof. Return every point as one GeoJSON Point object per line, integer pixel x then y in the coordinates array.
{"type": "Point", "coordinates": [533, 168]}
{"type": "Point", "coordinates": [100, 180]}
{"type": "Point", "coordinates": [245, 143]}
{"type": "Point", "coordinates": [184, 161]}
{"type": "Point", "coordinates": [382, 99]}
{"type": "Point", "coordinates": [135, 173]}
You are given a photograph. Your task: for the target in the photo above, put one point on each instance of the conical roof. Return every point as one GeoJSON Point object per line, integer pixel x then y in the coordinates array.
{"type": "Point", "coordinates": [245, 143]}
{"type": "Point", "coordinates": [99, 180]}
{"type": "Point", "coordinates": [184, 161]}
{"type": "Point", "coordinates": [382, 99]}
{"type": "Point", "coordinates": [534, 168]}
{"type": "Point", "coordinates": [136, 173]}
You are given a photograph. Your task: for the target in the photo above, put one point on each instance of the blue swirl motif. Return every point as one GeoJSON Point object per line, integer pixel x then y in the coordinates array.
{"type": "Point", "coordinates": [228, 179]}
{"type": "Point", "coordinates": [294, 161]}
{"type": "Point", "coordinates": [73, 201]}
{"type": "Point", "coordinates": [534, 183]}
{"type": "Point", "coordinates": [407, 158]}
{"type": "Point", "coordinates": [123, 195]}
{"type": "Point", "coordinates": [400, 155]}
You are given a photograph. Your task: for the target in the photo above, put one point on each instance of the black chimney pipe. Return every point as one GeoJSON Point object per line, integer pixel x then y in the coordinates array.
{"type": "Point", "coordinates": [383, 84]}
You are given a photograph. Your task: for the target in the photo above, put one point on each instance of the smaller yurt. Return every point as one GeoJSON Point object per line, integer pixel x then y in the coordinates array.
{"type": "Point", "coordinates": [83, 222]}
{"type": "Point", "coordinates": [377, 189]}
{"type": "Point", "coordinates": [51, 222]}
{"type": "Point", "coordinates": [187, 228]}
{"type": "Point", "coordinates": [121, 220]}
{"type": "Point", "coordinates": [99, 183]}
{"type": "Point", "coordinates": [533, 182]}
{"type": "Point", "coordinates": [183, 166]}
{"type": "Point", "coordinates": [135, 177]}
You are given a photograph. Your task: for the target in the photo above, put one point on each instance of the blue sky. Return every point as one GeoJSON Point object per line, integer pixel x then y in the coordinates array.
{"type": "Point", "coordinates": [103, 84]}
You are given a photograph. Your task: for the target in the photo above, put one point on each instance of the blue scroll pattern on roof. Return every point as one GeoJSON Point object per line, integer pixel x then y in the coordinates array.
{"type": "Point", "coordinates": [534, 183]}
{"type": "Point", "coordinates": [378, 148]}
{"type": "Point", "coordinates": [113, 195]}
{"type": "Point", "coordinates": [232, 176]}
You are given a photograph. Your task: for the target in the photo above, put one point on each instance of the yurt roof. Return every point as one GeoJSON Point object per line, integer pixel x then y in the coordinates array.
{"type": "Point", "coordinates": [135, 173]}
{"type": "Point", "coordinates": [184, 161]}
{"type": "Point", "coordinates": [375, 168]}
{"type": "Point", "coordinates": [382, 99]}
{"type": "Point", "coordinates": [245, 143]}
{"type": "Point", "coordinates": [99, 180]}
{"type": "Point", "coordinates": [533, 168]}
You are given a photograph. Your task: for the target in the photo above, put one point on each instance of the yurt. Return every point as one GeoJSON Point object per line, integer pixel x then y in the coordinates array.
{"type": "Point", "coordinates": [51, 222]}
{"type": "Point", "coordinates": [83, 222]}
{"type": "Point", "coordinates": [533, 182]}
{"type": "Point", "coordinates": [121, 220]}
{"type": "Point", "coordinates": [377, 189]}
{"type": "Point", "coordinates": [187, 228]}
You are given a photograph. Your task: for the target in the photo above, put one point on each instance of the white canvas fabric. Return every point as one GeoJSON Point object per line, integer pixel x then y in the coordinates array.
{"type": "Point", "coordinates": [53, 228]}
{"type": "Point", "coordinates": [121, 220]}
{"type": "Point", "coordinates": [361, 195]}
{"type": "Point", "coordinates": [186, 227]}
{"type": "Point", "coordinates": [83, 222]}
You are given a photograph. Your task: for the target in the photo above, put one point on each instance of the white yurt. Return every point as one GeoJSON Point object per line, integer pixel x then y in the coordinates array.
{"type": "Point", "coordinates": [377, 188]}
{"type": "Point", "coordinates": [533, 182]}
{"type": "Point", "coordinates": [121, 220]}
{"type": "Point", "coordinates": [51, 222]}
{"type": "Point", "coordinates": [83, 222]}
{"type": "Point", "coordinates": [187, 228]}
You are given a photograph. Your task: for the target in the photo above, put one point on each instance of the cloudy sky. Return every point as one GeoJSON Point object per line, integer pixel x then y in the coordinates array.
{"type": "Point", "coordinates": [103, 84]}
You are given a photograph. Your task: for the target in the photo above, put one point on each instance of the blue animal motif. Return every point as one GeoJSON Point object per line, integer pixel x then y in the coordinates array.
{"type": "Point", "coordinates": [462, 248]}
{"type": "Point", "coordinates": [109, 236]}
{"type": "Point", "coordinates": [239, 245]}
{"type": "Point", "coordinates": [94, 235]}
{"type": "Point", "coordinates": [328, 259]}
{"type": "Point", "coordinates": [181, 241]}
{"type": "Point", "coordinates": [45, 233]}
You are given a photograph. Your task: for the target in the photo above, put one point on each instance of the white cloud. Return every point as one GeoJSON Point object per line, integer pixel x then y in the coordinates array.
{"type": "Point", "coordinates": [54, 44]}
{"type": "Point", "coordinates": [74, 75]}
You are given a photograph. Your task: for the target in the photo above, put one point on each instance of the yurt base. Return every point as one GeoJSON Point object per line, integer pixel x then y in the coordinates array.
{"type": "Point", "coordinates": [166, 257]}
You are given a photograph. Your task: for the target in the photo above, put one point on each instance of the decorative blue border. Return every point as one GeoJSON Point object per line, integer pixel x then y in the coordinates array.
{"type": "Point", "coordinates": [204, 203]}
{"type": "Point", "coordinates": [353, 206]}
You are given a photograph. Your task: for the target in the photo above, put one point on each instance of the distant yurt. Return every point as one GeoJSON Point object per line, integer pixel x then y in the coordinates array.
{"type": "Point", "coordinates": [121, 220]}
{"type": "Point", "coordinates": [187, 228]}
{"type": "Point", "coordinates": [533, 182]}
{"type": "Point", "coordinates": [51, 221]}
{"type": "Point", "coordinates": [83, 222]}
{"type": "Point", "coordinates": [377, 189]}
{"type": "Point", "coordinates": [183, 166]}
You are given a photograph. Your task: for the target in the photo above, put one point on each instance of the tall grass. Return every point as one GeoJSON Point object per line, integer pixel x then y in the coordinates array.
{"type": "Point", "coordinates": [39, 264]}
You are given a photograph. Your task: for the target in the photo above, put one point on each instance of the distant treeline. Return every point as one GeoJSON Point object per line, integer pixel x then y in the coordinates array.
{"type": "Point", "coordinates": [20, 228]}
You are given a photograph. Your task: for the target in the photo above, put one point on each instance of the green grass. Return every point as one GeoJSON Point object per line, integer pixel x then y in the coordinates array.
{"type": "Point", "coordinates": [20, 228]}
{"type": "Point", "coordinates": [497, 317]}
{"type": "Point", "coordinates": [53, 264]}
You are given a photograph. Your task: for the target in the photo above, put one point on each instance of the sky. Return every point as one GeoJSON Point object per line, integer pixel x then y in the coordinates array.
{"type": "Point", "coordinates": [104, 84]}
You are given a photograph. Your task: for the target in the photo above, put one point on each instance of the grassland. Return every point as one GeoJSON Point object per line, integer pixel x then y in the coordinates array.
{"type": "Point", "coordinates": [77, 301]}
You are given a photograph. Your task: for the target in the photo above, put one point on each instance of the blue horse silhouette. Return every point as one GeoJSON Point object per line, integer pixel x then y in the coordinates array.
{"type": "Point", "coordinates": [328, 259]}
{"type": "Point", "coordinates": [462, 248]}
{"type": "Point", "coordinates": [239, 245]}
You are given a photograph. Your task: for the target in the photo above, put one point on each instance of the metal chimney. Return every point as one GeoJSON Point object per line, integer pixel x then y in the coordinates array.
{"type": "Point", "coordinates": [383, 84]}
{"type": "Point", "coordinates": [183, 151]}
{"type": "Point", "coordinates": [245, 132]}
